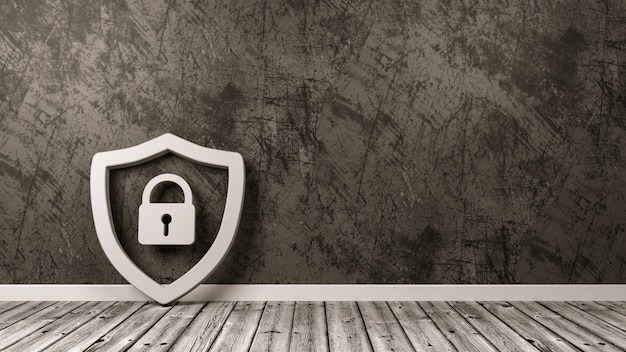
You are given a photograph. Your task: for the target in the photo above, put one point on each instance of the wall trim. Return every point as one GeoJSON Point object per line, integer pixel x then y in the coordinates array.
{"type": "Point", "coordinates": [280, 292]}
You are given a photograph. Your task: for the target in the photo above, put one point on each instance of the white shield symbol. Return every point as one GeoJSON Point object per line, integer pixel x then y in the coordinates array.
{"type": "Point", "coordinates": [101, 165]}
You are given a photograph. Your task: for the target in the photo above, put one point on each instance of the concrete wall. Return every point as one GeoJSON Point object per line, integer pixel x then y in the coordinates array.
{"type": "Point", "coordinates": [385, 141]}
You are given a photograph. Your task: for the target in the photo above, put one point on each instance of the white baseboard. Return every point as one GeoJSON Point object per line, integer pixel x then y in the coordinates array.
{"type": "Point", "coordinates": [254, 292]}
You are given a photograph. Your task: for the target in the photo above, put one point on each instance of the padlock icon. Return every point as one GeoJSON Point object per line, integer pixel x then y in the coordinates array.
{"type": "Point", "coordinates": [167, 223]}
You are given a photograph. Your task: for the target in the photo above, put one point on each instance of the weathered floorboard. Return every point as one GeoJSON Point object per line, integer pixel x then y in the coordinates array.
{"type": "Point", "coordinates": [125, 334]}
{"type": "Point", "coordinates": [167, 330]}
{"type": "Point", "coordinates": [419, 328]}
{"type": "Point", "coordinates": [240, 327]}
{"type": "Point", "coordinates": [605, 313]}
{"type": "Point", "coordinates": [49, 334]}
{"type": "Point", "coordinates": [21, 312]}
{"type": "Point", "coordinates": [309, 332]}
{"type": "Point", "coordinates": [493, 329]}
{"type": "Point", "coordinates": [462, 335]}
{"type": "Point", "coordinates": [8, 305]}
{"type": "Point", "coordinates": [33, 322]}
{"type": "Point", "coordinates": [313, 326]}
{"type": "Point", "coordinates": [274, 331]}
{"type": "Point", "coordinates": [346, 331]}
{"type": "Point", "coordinates": [590, 322]}
{"type": "Point", "coordinates": [572, 332]}
{"type": "Point", "coordinates": [202, 332]}
{"type": "Point", "coordinates": [619, 307]}
{"type": "Point", "coordinates": [383, 328]}
{"type": "Point", "coordinates": [88, 333]}
{"type": "Point", "coordinates": [536, 334]}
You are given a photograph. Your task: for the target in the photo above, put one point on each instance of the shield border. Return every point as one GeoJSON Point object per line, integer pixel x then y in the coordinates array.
{"type": "Point", "coordinates": [101, 165]}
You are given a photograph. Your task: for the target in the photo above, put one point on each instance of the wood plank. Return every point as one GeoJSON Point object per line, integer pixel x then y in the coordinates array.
{"type": "Point", "coordinates": [309, 332]}
{"type": "Point", "coordinates": [458, 331]}
{"type": "Point", "coordinates": [125, 334]}
{"type": "Point", "coordinates": [8, 305]}
{"type": "Point", "coordinates": [33, 322]}
{"type": "Point", "coordinates": [20, 312]}
{"type": "Point", "coordinates": [201, 333]}
{"type": "Point", "coordinates": [274, 329]}
{"type": "Point", "coordinates": [88, 333]}
{"type": "Point", "coordinates": [592, 323]}
{"type": "Point", "coordinates": [498, 333]}
{"type": "Point", "coordinates": [239, 328]}
{"type": "Point", "coordinates": [619, 307]}
{"type": "Point", "coordinates": [573, 333]}
{"type": "Point", "coordinates": [546, 326]}
{"type": "Point", "coordinates": [167, 330]}
{"type": "Point", "coordinates": [346, 330]}
{"type": "Point", "coordinates": [382, 326]}
{"type": "Point", "coordinates": [536, 334]}
{"type": "Point", "coordinates": [610, 316]}
{"type": "Point", "coordinates": [49, 334]}
{"type": "Point", "coordinates": [419, 328]}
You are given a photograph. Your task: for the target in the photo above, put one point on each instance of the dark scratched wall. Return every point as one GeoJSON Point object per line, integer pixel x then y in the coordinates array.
{"type": "Point", "coordinates": [399, 141]}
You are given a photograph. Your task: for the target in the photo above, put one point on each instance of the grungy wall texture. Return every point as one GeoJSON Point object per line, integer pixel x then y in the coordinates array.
{"type": "Point", "coordinates": [385, 141]}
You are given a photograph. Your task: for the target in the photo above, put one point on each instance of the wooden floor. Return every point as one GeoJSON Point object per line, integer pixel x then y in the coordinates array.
{"type": "Point", "coordinates": [320, 326]}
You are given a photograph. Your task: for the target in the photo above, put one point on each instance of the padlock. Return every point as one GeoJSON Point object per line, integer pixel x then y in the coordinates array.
{"type": "Point", "coordinates": [167, 223]}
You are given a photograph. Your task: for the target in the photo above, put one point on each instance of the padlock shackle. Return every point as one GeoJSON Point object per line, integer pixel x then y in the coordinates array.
{"type": "Point", "coordinates": [145, 198]}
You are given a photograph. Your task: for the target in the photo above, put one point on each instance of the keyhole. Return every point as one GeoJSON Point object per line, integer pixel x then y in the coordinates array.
{"type": "Point", "coordinates": [166, 219]}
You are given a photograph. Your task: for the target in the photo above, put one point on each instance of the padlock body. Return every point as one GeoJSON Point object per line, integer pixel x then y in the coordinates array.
{"type": "Point", "coordinates": [181, 230]}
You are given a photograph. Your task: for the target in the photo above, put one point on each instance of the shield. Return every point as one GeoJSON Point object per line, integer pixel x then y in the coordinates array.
{"type": "Point", "coordinates": [101, 165]}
